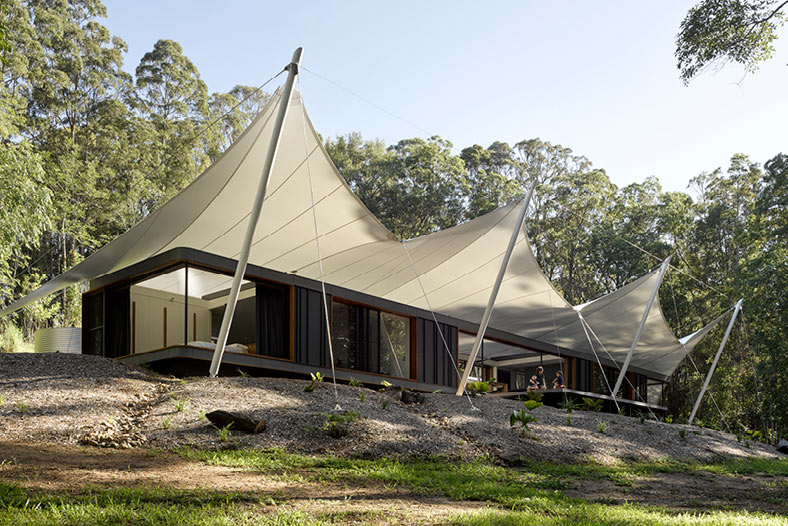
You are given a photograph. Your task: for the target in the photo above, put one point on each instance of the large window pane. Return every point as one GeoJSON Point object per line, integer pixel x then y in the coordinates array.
{"type": "Point", "coordinates": [369, 340]}
{"type": "Point", "coordinates": [395, 345]}
{"type": "Point", "coordinates": [157, 311]}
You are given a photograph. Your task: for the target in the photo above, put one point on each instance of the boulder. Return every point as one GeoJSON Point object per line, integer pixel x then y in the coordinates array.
{"type": "Point", "coordinates": [236, 421]}
{"type": "Point", "coordinates": [782, 446]}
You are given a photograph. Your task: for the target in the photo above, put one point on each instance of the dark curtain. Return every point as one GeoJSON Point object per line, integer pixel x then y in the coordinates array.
{"type": "Point", "coordinates": [272, 321]}
{"type": "Point", "coordinates": [118, 323]}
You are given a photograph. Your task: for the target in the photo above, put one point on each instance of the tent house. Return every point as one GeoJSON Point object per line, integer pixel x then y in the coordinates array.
{"type": "Point", "coordinates": [408, 310]}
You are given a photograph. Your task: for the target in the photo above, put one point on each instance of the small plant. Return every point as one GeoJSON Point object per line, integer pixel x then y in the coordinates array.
{"type": "Point", "coordinates": [569, 419]}
{"type": "Point", "coordinates": [520, 419]}
{"type": "Point", "coordinates": [224, 432]}
{"type": "Point", "coordinates": [355, 382]}
{"type": "Point", "coordinates": [243, 373]}
{"type": "Point", "coordinates": [683, 433]}
{"type": "Point", "coordinates": [642, 416]}
{"type": "Point", "coordinates": [534, 395]}
{"type": "Point", "coordinates": [385, 384]}
{"type": "Point", "coordinates": [477, 388]}
{"type": "Point", "coordinates": [384, 403]}
{"type": "Point", "coordinates": [316, 379]}
{"type": "Point", "coordinates": [362, 396]}
{"type": "Point", "coordinates": [2, 399]}
{"type": "Point", "coordinates": [569, 405]}
{"type": "Point", "coordinates": [754, 435]}
{"type": "Point", "coordinates": [203, 415]}
{"type": "Point", "coordinates": [532, 404]}
{"type": "Point", "coordinates": [622, 410]}
{"type": "Point", "coordinates": [166, 423]}
{"type": "Point", "coordinates": [593, 404]}
{"type": "Point", "coordinates": [668, 419]}
{"type": "Point", "coordinates": [336, 423]}
{"type": "Point", "coordinates": [601, 426]}
{"type": "Point", "coordinates": [180, 404]}
{"type": "Point", "coordinates": [22, 407]}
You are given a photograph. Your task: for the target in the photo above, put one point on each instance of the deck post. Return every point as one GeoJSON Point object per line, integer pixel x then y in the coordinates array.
{"type": "Point", "coordinates": [496, 287]}
{"type": "Point", "coordinates": [662, 269]}
{"type": "Point", "coordinates": [716, 359]}
{"type": "Point", "coordinates": [243, 258]}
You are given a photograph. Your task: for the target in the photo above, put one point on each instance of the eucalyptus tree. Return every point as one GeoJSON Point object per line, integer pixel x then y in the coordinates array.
{"type": "Point", "coordinates": [492, 177]}
{"type": "Point", "coordinates": [172, 101]}
{"type": "Point", "coordinates": [720, 31]}
{"type": "Point", "coordinates": [230, 114]}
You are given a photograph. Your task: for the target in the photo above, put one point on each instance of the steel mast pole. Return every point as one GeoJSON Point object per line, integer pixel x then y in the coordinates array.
{"type": "Point", "coordinates": [716, 359]}
{"type": "Point", "coordinates": [663, 268]}
{"type": "Point", "coordinates": [496, 287]}
{"type": "Point", "coordinates": [243, 259]}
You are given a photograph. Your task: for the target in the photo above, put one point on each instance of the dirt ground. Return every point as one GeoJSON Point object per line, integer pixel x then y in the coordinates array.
{"type": "Point", "coordinates": [73, 469]}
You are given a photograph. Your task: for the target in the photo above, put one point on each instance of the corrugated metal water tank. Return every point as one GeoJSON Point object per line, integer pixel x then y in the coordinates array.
{"type": "Point", "coordinates": [59, 339]}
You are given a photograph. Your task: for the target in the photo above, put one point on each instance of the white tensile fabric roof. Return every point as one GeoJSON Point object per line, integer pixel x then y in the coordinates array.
{"type": "Point", "coordinates": [457, 267]}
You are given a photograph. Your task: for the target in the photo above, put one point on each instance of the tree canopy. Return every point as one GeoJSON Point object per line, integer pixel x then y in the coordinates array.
{"type": "Point", "coordinates": [720, 31]}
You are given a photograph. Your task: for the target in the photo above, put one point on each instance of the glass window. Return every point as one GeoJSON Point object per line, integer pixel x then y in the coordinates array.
{"type": "Point", "coordinates": [186, 307]}
{"type": "Point", "coordinates": [655, 393]}
{"type": "Point", "coordinates": [369, 340]}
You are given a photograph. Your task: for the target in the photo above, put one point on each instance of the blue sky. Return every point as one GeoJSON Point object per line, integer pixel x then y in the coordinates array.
{"type": "Point", "coordinates": [596, 76]}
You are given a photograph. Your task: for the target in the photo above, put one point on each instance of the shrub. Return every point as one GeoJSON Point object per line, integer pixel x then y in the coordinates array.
{"type": "Point", "coordinates": [521, 419]}
{"type": "Point", "coordinates": [335, 425]}
{"type": "Point", "coordinates": [316, 378]}
{"type": "Point", "coordinates": [12, 340]}
{"type": "Point", "coordinates": [534, 395]}
{"type": "Point", "coordinates": [569, 405]}
{"type": "Point", "coordinates": [593, 404]}
{"type": "Point", "coordinates": [532, 404]}
{"type": "Point", "coordinates": [477, 388]}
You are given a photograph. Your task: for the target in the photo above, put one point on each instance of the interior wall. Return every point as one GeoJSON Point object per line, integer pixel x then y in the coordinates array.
{"type": "Point", "coordinates": [148, 307]}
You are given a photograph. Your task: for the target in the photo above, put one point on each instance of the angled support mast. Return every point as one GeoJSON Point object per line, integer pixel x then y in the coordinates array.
{"type": "Point", "coordinates": [496, 287]}
{"type": "Point", "coordinates": [716, 359]}
{"type": "Point", "coordinates": [662, 269]}
{"type": "Point", "coordinates": [243, 258]}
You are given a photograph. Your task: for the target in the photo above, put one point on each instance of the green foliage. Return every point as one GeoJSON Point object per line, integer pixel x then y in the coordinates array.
{"type": "Point", "coordinates": [165, 424]}
{"type": "Point", "coordinates": [593, 404]}
{"type": "Point", "coordinates": [535, 396]}
{"type": "Point", "coordinates": [532, 404]}
{"type": "Point", "coordinates": [335, 425]}
{"type": "Point", "coordinates": [683, 433]}
{"type": "Point", "coordinates": [12, 339]}
{"type": "Point", "coordinates": [384, 402]}
{"type": "Point", "coordinates": [354, 382]}
{"type": "Point", "coordinates": [316, 379]}
{"type": "Point", "coordinates": [520, 419]}
{"type": "Point", "coordinates": [741, 31]}
{"type": "Point", "coordinates": [180, 404]}
{"type": "Point", "coordinates": [22, 407]}
{"type": "Point", "coordinates": [601, 426]}
{"type": "Point", "coordinates": [478, 388]}
{"type": "Point", "coordinates": [224, 432]}
{"type": "Point", "coordinates": [569, 405]}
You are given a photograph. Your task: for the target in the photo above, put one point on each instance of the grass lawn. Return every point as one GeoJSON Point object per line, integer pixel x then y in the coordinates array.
{"type": "Point", "coordinates": [527, 495]}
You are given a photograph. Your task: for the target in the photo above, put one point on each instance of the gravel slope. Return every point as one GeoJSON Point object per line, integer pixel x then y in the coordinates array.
{"type": "Point", "coordinates": [66, 398]}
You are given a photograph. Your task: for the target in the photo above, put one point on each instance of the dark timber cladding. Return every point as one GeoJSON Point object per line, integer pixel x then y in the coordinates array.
{"type": "Point", "coordinates": [434, 357]}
